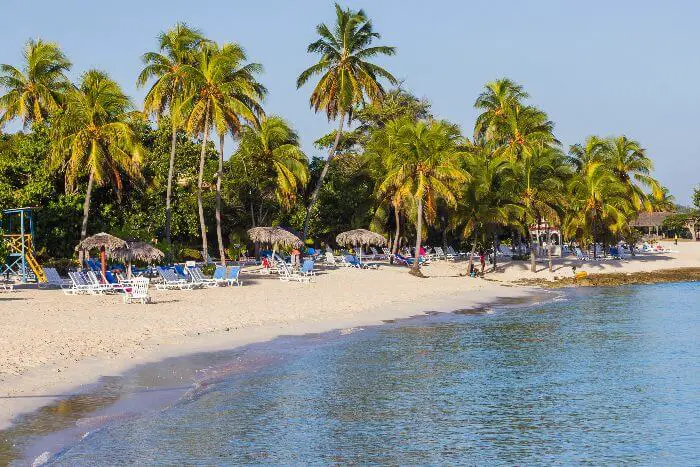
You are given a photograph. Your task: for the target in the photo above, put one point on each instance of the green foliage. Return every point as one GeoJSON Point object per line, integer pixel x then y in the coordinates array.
{"type": "Point", "coordinates": [696, 197]}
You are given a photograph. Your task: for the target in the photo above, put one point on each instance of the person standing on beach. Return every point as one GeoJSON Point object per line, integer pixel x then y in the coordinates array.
{"type": "Point", "coordinates": [482, 260]}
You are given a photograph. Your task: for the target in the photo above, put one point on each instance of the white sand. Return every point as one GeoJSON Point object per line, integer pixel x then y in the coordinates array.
{"type": "Point", "coordinates": [53, 344]}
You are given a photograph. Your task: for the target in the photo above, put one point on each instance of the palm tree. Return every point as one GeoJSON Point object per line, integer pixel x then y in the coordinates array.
{"type": "Point", "coordinates": [484, 204]}
{"type": "Point", "coordinates": [347, 77]}
{"type": "Point", "coordinates": [177, 49]}
{"type": "Point", "coordinates": [424, 168]}
{"type": "Point", "coordinates": [538, 181]}
{"type": "Point", "coordinates": [225, 95]}
{"type": "Point", "coordinates": [598, 199]}
{"type": "Point", "coordinates": [274, 147]}
{"type": "Point", "coordinates": [94, 136]}
{"type": "Point", "coordinates": [37, 90]}
{"type": "Point", "coordinates": [630, 164]}
{"type": "Point", "coordinates": [496, 101]}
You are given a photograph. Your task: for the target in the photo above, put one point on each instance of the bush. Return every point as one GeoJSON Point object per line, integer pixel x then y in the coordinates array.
{"type": "Point", "coordinates": [209, 269]}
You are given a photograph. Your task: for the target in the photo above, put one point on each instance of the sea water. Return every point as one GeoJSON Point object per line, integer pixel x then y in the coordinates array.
{"type": "Point", "coordinates": [599, 376]}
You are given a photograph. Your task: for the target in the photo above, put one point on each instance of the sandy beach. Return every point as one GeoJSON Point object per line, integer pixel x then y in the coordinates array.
{"type": "Point", "coordinates": [53, 343]}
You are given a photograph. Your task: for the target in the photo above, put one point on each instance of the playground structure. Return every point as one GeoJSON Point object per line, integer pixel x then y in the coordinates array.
{"type": "Point", "coordinates": [18, 236]}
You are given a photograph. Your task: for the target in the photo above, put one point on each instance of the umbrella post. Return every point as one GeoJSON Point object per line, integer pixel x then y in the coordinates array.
{"type": "Point", "coordinates": [128, 271]}
{"type": "Point", "coordinates": [103, 264]}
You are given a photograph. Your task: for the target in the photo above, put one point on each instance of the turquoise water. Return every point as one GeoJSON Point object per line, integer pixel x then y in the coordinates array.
{"type": "Point", "coordinates": [604, 376]}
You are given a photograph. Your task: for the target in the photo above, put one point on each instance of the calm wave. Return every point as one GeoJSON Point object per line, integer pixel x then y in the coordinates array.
{"type": "Point", "coordinates": [606, 376]}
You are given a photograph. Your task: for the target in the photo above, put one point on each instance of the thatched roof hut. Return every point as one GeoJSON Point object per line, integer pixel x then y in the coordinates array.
{"type": "Point", "coordinates": [138, 251]}
{"type": "Point", "coordinates": [360, 237]}
{"type": "Point", "coordinates": [650, 219]}
{"type": "Point", "coordinates": [100, 241]}
{"type": "Point", "coordinates": [275, 236]}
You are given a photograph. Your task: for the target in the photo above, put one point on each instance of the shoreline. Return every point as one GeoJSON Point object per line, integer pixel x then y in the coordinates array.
{"type": "Point", "coordinates": [47, 384]}
{"type": "Point", "coordinates": [57, 345]}
{"type": "Point", "coordinates": [219, 364]}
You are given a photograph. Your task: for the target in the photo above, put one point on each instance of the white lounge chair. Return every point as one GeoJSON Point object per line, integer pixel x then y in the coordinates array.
{"type": "Point", "coordinates": [455, 254]}
{"type": "Point", "coordinates": [286, 274]}
{"type": "Point", "coordinates": [199, 280]}
{"type": "Point", "coordinates": [580, 255]}
{"type": "Point", "coordinates": [440, 254]}
{"type": "Point", "coordinates": [172, 281]}
{"type": "Point", "coordinates": [505, 251]}
{"type": "Point", "coordinates": [136, 290]}
{"type": "Point", "coordinates": [53, 279]}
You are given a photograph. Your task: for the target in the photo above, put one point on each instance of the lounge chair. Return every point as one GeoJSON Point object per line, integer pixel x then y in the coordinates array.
{"type": "Point", "coordinates": [505, 251]}
{"type": "Point", "coordinates": [199, 280]}
{"type": "Point", "coordinates": [172, 281]}
{"type": "Point", "coordinates": [286, 274]}
{"type": "Point", "coordinates": [53, 279]}
{"type": "Point", "coordinates": [349, 261]}
{"type": "Point", "coordinates": [440, 254]}
{"type": "Point", "coordinates": [307, 268]}
{"type": "Point", "coordinates": [330, 260]}
{"type": "Point", "coordinates": [455, 254]}
{"type": "Point", "coordinates": [377, 254]}
{"type": "Point", "coordinates": [233, 275]}
{"type": "Point", "coordinates": [137, 291]}
{"type": "Point", "coordinates": [580, 255]}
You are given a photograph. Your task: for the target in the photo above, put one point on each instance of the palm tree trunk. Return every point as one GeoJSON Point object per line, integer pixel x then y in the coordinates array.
{"type": "Point", "coordinates": [471, 256]}
{"type": "Point", "coordinates": [319, 183]}
{"type": "Point", "coordinates": [86, 213]}
{"type": "Point", "coordinates": [495, 248]}
{"type": "Point", "coordinates": [169, 189]}
{"type": "Point", "coordinates": [395, 245]}
{"type": "Point", "coordinates": [415, 269]}
{"type": "Point", "coordinates": [533, 261]}
{"type": "Point", "coordinates": [200, 205]}
{"type": "Point", "coordinates": [219, 176]}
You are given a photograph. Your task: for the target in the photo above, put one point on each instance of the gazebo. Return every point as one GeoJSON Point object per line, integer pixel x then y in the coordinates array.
{"type": "Point", "coordinates": [650, 222]}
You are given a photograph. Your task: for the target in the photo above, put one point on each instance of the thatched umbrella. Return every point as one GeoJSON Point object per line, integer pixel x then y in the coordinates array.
{"type": "Point", "coordinates": [274, 236]}
{"type": "Point", "coordinates": [137, 251]}
{"type": "Point", "coordinates": [105, 243]}
{"type": "Point", "coordinates": [359, 237]}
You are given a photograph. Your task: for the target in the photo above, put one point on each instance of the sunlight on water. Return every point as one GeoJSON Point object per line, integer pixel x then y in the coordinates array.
{"type": "Point", "coordinates": [605, 376]}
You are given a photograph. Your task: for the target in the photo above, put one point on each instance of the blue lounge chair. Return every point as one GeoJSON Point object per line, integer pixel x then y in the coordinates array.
{"type": "Point", "coordinates": [171, 280]}
{"type": "Point", "coordinates": [307, 268]}
{"type": "Point", "coordinates": [233, 275]}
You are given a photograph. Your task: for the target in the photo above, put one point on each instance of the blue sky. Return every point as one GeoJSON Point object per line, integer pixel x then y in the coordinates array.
{"type": "Point", "coordinates": [597, 67]}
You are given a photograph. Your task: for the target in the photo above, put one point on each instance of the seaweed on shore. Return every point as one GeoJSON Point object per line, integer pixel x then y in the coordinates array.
{"type": "Point", "coordinates": [616, 278]}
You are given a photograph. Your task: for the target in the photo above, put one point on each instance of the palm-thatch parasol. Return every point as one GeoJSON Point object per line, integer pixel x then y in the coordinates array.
{"type": "Point", "coordinates": [274, 236]}
{"type": "Point", "coordinates": [137, 251]}
{"type": "Point", "coordinates": [359, 237]}
{"type": "Point", "coordinates": [105, 243]}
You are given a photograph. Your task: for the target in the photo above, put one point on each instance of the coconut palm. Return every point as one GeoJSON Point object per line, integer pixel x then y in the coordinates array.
{"type": "Point", "coordinates": [94, 137]}
{"type": "Point", "coordinates": [630, 164]}
{"type": "Point", "coordinates": [177, 49]}
{"type": "Point", "coordinates": [347, 79]}
{"type": "Point", "coordinates": [597, 200]}
{"type": "Point", "coordinates": [538, 179]}
{"type": "Point", "coordinates": [273, 147]}
{"type": "Point", "coordinates": [484, 203]}
{"type": "Point", "coordinates": [424, 167]}
{"type": "Point", "coordinates": [496, 101]}
{"type": "Point", "coordinates": [38, 88]}
{"type": "Point", "coordinates": [594, 149]}
{"type": "Point", "coordinates": [224, 95]}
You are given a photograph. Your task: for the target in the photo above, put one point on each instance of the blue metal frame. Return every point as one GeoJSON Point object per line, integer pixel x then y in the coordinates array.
{"type": "Point", "coordinates": [19, 264]}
